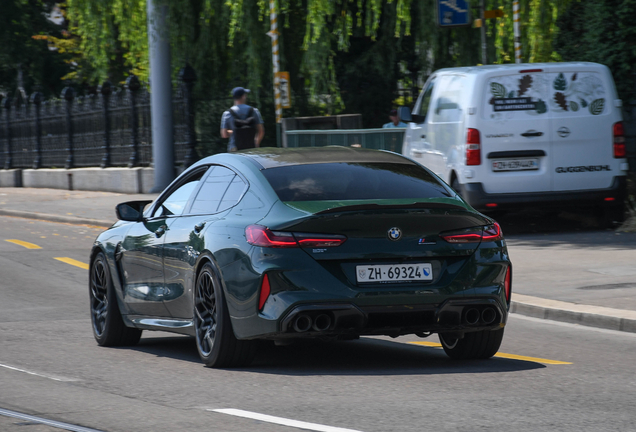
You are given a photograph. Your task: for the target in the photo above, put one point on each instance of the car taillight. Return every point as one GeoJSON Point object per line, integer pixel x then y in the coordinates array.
{"type": "Point", "coordinates": [508, 283]}
{"type": "Point", "coordinates": [473, 147]}
{"type": "Point", "coordinates": [258, 235]}
{"type": "Point", "coordinates": [619, 141]}
{"type": "Point", "coordinates": [265, 291]}
{"type": "Point", "coordinates": [474, 235]}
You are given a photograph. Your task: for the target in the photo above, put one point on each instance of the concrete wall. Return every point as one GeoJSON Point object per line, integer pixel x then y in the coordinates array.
{"type": "Point", "coordinates": [122, 180]}
{"type": "Point", "coordinates": [11, 178]}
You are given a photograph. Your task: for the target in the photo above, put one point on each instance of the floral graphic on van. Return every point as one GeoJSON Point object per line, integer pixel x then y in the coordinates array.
{"type": "Point", "coordinates": [572, 95]}
{"type": "Point", "coordinates": [596, 107]}
{"type": "Point", "coordinates": [561, 100]}
{"type": "Point", "coordinates": [524, 84]}
{"type": "Point", "coordinates": [560, 83]}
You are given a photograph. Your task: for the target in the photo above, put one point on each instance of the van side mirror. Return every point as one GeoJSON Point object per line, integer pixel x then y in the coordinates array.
{"type": "Point", "coordinates": [131, 211]}
{"type": "Point", "coordinates": [404, 113]}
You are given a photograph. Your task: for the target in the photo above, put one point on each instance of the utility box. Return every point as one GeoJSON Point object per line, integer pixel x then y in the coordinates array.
{"type": "Point", "coordinates": [344, 121]}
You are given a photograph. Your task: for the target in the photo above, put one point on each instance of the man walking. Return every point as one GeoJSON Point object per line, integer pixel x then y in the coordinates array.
{"type": "Point", "coordinates": [242, 124]}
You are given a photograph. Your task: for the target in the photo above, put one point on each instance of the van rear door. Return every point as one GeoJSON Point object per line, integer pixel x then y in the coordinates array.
{"type": "Point", "coordinates": [581, 106]}
{"type": "Point", "coordinates": [515, 132]}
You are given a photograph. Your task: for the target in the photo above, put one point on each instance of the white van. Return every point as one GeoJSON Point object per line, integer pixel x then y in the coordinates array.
{"type": "Point", "coordinates": [517, 135]}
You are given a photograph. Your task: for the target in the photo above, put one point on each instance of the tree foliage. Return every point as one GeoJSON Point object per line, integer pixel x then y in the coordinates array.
{"type": "Point", "coordinates": [602, 31]}
{"type": "Point", "coordinates": [40, 68]}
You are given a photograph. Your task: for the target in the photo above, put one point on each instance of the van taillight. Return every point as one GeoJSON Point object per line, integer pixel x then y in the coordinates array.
{"type": "Point", "coordinates": [473, 147]}
{"type": "Point", "coordinates": [619, 141]}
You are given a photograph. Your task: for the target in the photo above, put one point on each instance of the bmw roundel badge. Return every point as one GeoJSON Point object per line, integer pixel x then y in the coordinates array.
{"type": "Point", "coordinates": [395, 234]}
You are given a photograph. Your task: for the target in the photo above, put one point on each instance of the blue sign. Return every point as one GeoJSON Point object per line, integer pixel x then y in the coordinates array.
{"type": "Point", "coordinates": [451, 13]}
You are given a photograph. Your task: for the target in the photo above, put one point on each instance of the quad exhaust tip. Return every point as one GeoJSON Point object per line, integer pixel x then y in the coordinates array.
{"type": "Point", "coordinates": [488, 315]}
{"type": "Point", "coordinates": [302, 323]}
{"type": "Point", "coordinates": [322, 322]}
{"type": "Point", "coordinates": [472, 316]}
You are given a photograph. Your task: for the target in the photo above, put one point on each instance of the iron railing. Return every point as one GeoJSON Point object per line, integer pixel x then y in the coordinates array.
{"type": "Point", "coordinates": [379, 139]}
{"type": "Point", "coordinates": [110, 127]}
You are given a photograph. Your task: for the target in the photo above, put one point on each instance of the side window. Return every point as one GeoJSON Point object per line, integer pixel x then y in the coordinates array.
{"type": "Point", "coordinates": [175, 203]}
{"type": "Point", "coordinates": [421, 108]}
{"type": "Point", "coordinates": [576, 94]}
{"type": "Point", "coordinates": [211, 194]}
{"type": "Point", "coordinates": [517, 96]}
{"type": "Point", "coordinates": [233, 193]}
{"type": "Point", "coordinates": [447, 104]}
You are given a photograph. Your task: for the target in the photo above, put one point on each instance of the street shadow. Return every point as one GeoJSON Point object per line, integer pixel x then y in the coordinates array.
{"type": "Point", "coordinates": [364, 357]}
{"type": "Point", "coordinates": [547, 229]}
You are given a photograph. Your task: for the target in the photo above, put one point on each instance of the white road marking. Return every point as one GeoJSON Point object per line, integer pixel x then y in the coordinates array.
{"type": "Point", "coordinates": [281, 420]}
{"type": "Point", "coordinates": [572, 325]}
{"type": "Point", "coordinates": [52, 377]}
{"type": "Point", "coordinates": [52, 423]}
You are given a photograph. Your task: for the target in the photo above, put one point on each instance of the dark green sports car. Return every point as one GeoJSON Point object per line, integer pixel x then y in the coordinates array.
{"type": "Point", "coordinates": [280, 244]}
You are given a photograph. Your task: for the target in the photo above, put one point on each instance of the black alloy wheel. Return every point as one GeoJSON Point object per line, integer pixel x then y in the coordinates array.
{"type": "Point", "coordinates": [216, 343]}
{"type": "Point", "coordinates": [474, 345]}
{"type": "Point", "coordinates": [108, 326]}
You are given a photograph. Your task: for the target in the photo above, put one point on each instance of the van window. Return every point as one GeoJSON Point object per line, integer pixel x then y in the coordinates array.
{"type": "Point", "coordinates": [517, 96]}
{"type": "Point", "coordinates": [446, 108]}
{"type": "Point", "coordinates": [421, 108]}
{"type": "Point", "coordinates": [576, 94]}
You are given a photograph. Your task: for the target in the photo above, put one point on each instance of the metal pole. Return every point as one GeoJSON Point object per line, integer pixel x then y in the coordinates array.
{"type": "Point", "coordinates": [7, 148]}
{"type": "Point", "coordinates": [106, 90]}
{"type": "Point", "coordinates": [68, 94]}
{"type": "Point", "coordinates": [133, 87]}
{"type": "Point", "coordinates": [36, 99]}
{"type": "Point", "coordinates": [188, 77]}
{"type": "Point", "coordinates": [161, 96]}
{"type": "Point", "coordinates": [273, 33]}
{"type": "Point", "coordinates": [484, 53]}
{"type": "Point", "coordinates": [515, 19]}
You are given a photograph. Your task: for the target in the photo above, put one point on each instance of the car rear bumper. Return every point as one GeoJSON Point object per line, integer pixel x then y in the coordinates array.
{"type": "Point", "coordinates": [453, 315]}
{"type": "Point", "coordinates": [479, 199]}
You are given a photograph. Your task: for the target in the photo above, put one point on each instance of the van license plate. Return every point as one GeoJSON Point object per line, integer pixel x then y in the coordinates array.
{"type": "Point", "coordinates": [515, 165]}
{"type": "Point", "coordinates": [394, 272]}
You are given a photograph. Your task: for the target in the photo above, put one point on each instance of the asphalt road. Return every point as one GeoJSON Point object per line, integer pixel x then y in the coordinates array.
{"type": "Point", "coordinates": [547, 376]}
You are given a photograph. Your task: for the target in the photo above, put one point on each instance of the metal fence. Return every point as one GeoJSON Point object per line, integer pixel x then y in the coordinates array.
{"type": "Point", "coordinates": [110, 127]}
{"type": "Point", "coordinates": [379, 139]}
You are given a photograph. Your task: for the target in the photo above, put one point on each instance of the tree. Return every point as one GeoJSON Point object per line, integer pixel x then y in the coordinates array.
{"type": "Point", "coordinates": [24, 61]}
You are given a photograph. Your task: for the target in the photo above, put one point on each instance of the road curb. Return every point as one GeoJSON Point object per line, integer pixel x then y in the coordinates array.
{"type": "Point", "coordinates": [56, 218]}
{"type": "Point", "coordinates": [587, 315]}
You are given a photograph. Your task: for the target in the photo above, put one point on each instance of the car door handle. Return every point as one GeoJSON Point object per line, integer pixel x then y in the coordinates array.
{"type": "Point", "coordinates": [198, 227]}
{"type": "Point", "coordinates": [531, 134]}
{"type": "Point", "coordinates": [423, 136]}
{"type": "Point", "coordinates": [160, 231]}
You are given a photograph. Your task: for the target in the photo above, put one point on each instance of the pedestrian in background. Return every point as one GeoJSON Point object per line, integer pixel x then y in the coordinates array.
{"type": "Point", "coordinates": [242, 124]}
{"type": "Point", "coordinates": [395, 121]}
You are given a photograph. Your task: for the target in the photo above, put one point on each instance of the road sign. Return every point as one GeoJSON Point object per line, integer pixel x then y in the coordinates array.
{"type": "Point", "coordinates": [453, 13]}
{"type": "Point", "coordinates": [283, 87]}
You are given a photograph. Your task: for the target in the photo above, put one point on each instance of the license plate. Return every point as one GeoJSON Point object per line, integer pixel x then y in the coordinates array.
{"type": "Point", "coordinates": [515, 165]}
{"type": "Point", "coordinates": [394, 272]}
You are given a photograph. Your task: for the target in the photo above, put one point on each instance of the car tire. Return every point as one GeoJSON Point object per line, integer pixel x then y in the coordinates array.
{"type": "Point", "coordinates": [474, 345]}
{"type": "Point", "coordinates": [217, 345]}
{"type": "Point", "coordinates": [611, 217]}
{"type": "Point", "coordinates": [108, 326]}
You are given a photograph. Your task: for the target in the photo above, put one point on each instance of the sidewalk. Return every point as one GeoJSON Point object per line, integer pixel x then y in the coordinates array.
{"type": "Point", "coordinates": [586, 278]}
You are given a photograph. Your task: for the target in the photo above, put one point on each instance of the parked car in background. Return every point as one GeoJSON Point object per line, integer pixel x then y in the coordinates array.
{"type": "Point", "coordinates": [513, 136]}
{"type": "Point", "coordinates": [281, 244]}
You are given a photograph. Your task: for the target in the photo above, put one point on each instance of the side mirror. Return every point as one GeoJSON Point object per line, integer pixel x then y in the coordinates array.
{"type": "Point", "coordinates": [404, 113]}
{"type": "Point", "coordinates": [131, 211]}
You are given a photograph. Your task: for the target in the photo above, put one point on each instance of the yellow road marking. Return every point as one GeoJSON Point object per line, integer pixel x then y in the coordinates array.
{"type": "Point", "coordinates": [24, 244]}
{"type": "Point", "coordinates": [73, 262]}
{"type": "Point", "coordinates": [502, 355]}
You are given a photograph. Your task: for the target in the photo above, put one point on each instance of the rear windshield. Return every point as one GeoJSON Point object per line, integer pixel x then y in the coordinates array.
{"type": "Point", "coordinates": [353, 181]}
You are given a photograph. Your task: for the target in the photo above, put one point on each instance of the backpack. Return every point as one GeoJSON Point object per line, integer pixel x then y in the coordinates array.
{"type": "Point", "coordinates": [244, 129]}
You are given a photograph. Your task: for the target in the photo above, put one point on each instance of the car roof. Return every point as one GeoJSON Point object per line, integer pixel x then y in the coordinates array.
{"type": "Point", "coordinates": [484, 69]}
{"type": "Point", "coordinates": [272, 157]}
